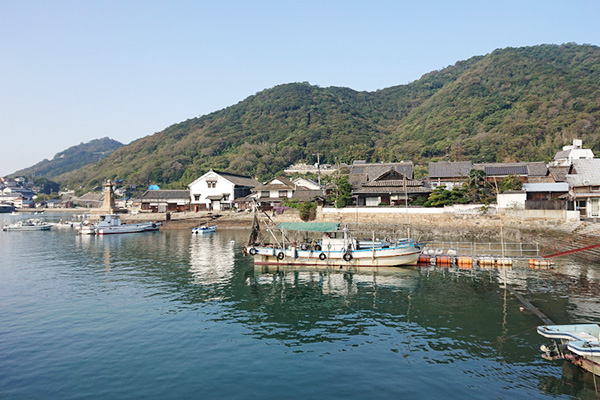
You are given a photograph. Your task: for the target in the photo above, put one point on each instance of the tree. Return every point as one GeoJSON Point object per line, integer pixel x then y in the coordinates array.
{"type": "Point", "coordinates": [511, 182]}
{"type": "Point", "coordinates": [479, 190]}
{"type": "Point", "coordinates": [46, 186]}
{"type": "Point", "coordinates": [341, 194]}
{"type": "Point", "coordinates": [440, 196]}
{"type": "Point", "coordinates": [308, 210]}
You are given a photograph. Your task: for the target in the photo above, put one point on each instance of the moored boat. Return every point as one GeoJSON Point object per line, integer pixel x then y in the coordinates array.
{"type": "Point", "coordinates": [7, 208]}
{"type": "Point", "coordinates": [336, 248]}
{"type": "Point", "coordinates": [28, 225]}
{"type": "Point", "coordinates": [578, 343]}
{"type": "Point", "coordinates": [109, 224]}
{"type": "Point", "coordinates": [204, 229]}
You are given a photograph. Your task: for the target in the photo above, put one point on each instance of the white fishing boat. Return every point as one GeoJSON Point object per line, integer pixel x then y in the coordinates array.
{"type": "Point", "coordinates": [28, 225]}
{"type": "Point", "coordinates": [110, 224]}
{"type": "Point", "coordinates": [578, 343]}
{"type": "Point", "coordinates": [336, 247]}
{"type": "Point", "coordinates": [204, 229]}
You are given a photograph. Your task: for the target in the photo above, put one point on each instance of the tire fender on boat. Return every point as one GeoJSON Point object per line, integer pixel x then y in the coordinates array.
{"type": "Point", "coordinates": [347, 257]}
{"type": "Point", "coordinates": [322, 256]}
{"type": "Point", "coordinates": [252, 251]}
{"type": "Point", "coordinates": [280, 256]}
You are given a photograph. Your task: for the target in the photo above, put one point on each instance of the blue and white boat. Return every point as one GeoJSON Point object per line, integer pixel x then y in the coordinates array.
{"type": "Point", "coordinates": [578, 343]}
{"type": "Point", "coordinates": [28, 225]}
{"type": "Point", "coordinates": [110, 224]}
{"type": "Point", "coordinates": [336, 248]}
{"type": "Point", "coordinates": [204, 229]}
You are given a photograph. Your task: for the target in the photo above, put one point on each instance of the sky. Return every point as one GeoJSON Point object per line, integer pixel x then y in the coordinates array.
{"type": "Point", "coordinates": [72, 71]}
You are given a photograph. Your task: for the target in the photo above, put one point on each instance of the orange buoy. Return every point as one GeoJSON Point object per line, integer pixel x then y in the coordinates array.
{"type": "Point", "coordinates": [504, 262]}
{"type": "Point", "coordinates": [424, 259]}
{"type": "Point", "coordinates": [536, 263]}
{"type": "Point", "coordinates": [464, 262]}
{"type": "Point", "coordinates": [443, 261]}
{"type": "Point", "coordinates": [486, 262]}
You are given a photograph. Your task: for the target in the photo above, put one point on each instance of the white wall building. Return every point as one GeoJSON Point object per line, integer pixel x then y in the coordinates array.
{"type": "Point", "coordinates": [306, 183]}
{"type": "Point", "coordinates": [512, 200]}
{"type": "Point", "coordinates": [217, 190]}
{"type": "Point", "coordinates": [572, 152]}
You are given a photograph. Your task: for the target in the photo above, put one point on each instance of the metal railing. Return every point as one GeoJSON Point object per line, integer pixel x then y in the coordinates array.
{"type": "Point", "coordinates": [481, 249]}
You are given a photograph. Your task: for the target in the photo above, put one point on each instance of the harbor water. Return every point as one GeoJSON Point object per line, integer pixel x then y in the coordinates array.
{"type": "Point", "coordinates": [174, 315]}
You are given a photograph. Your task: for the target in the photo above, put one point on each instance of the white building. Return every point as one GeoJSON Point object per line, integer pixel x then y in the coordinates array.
{"type": "Point", "coordinates": [575, 151]}
{"type": "Point", "coordinates": [274, 192]}
{"type": "Point", "coordinates": [306, 183]}
{"type": "Point", "coordinates": [217, 190]}
{"type": "Point", "coordinates": [584, 187]}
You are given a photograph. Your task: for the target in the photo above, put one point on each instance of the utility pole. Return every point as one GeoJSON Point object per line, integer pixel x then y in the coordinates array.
{"type": "Point", "coordinates": [319, 168]}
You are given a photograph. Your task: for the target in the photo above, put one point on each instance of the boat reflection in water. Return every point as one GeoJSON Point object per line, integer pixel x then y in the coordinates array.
{"type": "Point", "coordinates": [211, 260]}
{"type": "Point", "coordinates": [333, 281]}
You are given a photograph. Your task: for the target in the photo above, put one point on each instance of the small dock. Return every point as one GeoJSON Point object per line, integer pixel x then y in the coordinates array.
{"type": "Point", "coordinates": [485, 255]}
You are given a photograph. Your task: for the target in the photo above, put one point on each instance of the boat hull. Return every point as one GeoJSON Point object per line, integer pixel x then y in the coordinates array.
{"type": "Point", "coordinates": [28, 228]}
{"type": "Point", "coordinates": [128, 228]}
{"type": "Point", "coordinates": [390, 257]}
{"type": "Point", "coordinates": [582, 343]}
{"type": "Point", "coordinates": [208, 229]}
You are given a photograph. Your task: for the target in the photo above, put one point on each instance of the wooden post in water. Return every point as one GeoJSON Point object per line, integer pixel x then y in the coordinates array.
{"type": "Point", "coordinates": [373, 246]}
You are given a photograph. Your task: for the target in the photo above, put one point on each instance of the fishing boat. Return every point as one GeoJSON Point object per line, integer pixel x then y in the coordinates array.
{"type": "Point", "coordinates": [28, 225]}
{"type": "Point", "coordinates": [110, 224]}
{"type": "Point", "coordinates": [204, 229]}
{"type": "Point", "coordinates": [578, 343]}
{"type": "Point", "coordinates": [337, 247]}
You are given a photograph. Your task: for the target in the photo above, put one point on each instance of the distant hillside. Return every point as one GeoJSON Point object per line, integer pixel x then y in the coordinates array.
{"type": "Point", "coordinates": [515, 104]}
{"type": "Point", "coordinates": [71, 159]}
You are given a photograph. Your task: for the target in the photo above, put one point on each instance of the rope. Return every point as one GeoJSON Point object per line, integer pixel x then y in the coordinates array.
{"type": "Point", "coordinates": [513, 336]}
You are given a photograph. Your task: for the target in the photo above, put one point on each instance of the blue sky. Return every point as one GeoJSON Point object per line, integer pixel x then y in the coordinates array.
{"type": "Point", "coordinates": [73, 71]}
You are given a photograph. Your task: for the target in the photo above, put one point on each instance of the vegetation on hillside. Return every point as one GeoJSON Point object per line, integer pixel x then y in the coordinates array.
{"type": "Point", "coordinates": [71, 159]}
{"type": "Point", "coordinates": [515, 104]}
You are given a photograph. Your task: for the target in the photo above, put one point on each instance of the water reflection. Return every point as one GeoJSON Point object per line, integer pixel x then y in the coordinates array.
{"type": "Point", "coordinates": [211, 260]}
{"type": "Point", "coordinates": [420, 327]}
{"type": "Point", "coordinates": [336, 282]}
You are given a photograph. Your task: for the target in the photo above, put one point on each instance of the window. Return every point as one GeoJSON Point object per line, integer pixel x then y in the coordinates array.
{"type": "Point", "coordinates": [372, 201]}
{"type": "Point", "coordinates": [283, 193]}
{"type": "Point", "coordinates": [265, 193]}
{"type": "Point", "coordinates": [211, 184]}
{"type": "Point", "coordinates": [225, 197]}
{"type": "Point", "coordinates": [594, 209]}
{"type": "Point", "coordinates": [196, 197]}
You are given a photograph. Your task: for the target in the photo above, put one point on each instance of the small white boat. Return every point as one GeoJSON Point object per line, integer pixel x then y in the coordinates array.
{"type": "Point", "coordinates": [578, 343]}
{"type": "Point", "coordinates": [205, 229]}
{"type": "Point", "coordinates": [28, 225]}
{"type": "Point", "coordinates": [110, 224]}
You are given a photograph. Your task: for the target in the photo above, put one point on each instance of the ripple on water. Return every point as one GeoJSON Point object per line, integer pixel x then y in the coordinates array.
{"type": "Point", "coordinates": [170, 315]}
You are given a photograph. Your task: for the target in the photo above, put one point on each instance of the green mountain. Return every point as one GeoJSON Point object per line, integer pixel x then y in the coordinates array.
{"type": "Point", "coordinates": [72, 159]}
{"type": "Point", "coordinates": [515, 104]}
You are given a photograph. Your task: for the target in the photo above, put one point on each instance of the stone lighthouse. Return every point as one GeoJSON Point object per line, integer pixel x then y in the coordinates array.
{"type": "Point", "coordinates": [108, 205]}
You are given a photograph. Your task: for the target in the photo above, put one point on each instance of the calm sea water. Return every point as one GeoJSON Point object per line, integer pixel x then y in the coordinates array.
{"type": "Point", "coordinates": [171, 315]}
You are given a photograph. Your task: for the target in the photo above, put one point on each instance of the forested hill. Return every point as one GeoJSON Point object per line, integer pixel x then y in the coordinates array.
{"type": "Point", "coordinates": [515, 104]}
{"type": "Point", "coordinates": [71, 159]}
